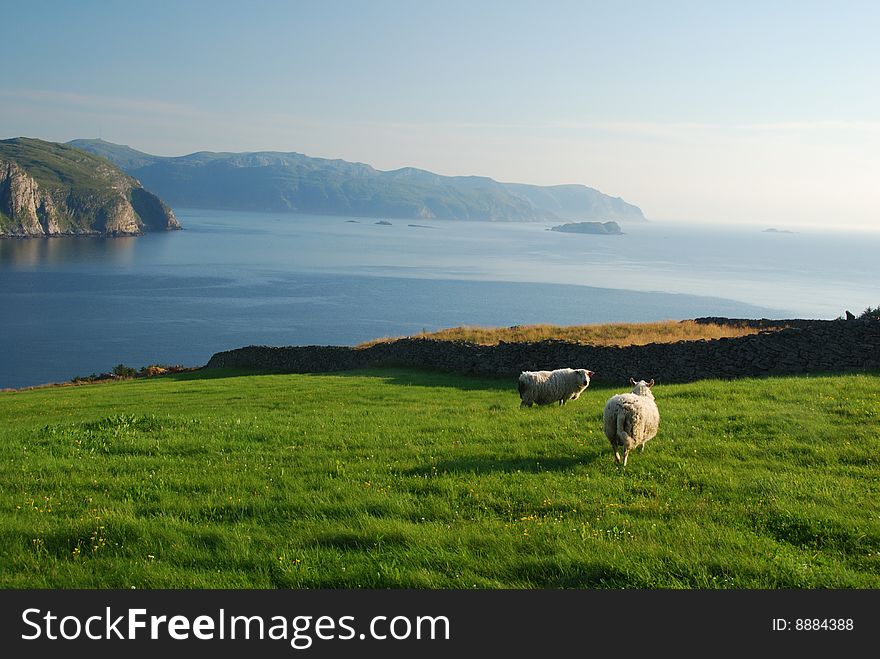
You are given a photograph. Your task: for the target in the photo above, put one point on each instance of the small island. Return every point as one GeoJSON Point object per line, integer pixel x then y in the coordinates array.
{"type": "Point", "coordinates": [383, 223]}
{"type": "Point", "coordinates": [601, 228]}
{"type": "Point", "coordinates": [771, 230]}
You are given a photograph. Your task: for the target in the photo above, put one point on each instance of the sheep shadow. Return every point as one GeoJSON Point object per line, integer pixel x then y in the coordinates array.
{"type": "Point", "coordinates": [399, 375]}
{"type": "Point", "coordinates": [488, 465]}
{"type": "Point", "coordinates": [212, 374]}
{"type": "Point", "coordinates": [424, 377]}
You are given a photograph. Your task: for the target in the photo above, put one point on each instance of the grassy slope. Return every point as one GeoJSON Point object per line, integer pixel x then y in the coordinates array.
{"type": "Point", "coordinates": [408, 479]}
{"type": "Point", "coordinates": [57, 165]}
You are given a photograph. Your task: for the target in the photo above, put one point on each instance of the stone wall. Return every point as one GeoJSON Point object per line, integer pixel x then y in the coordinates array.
{"type": "Point", "coordinates": [803, 347]}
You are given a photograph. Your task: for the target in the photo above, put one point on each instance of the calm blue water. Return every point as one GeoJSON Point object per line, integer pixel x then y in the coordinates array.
{"type": "Point", "coordinates": [73, 306]}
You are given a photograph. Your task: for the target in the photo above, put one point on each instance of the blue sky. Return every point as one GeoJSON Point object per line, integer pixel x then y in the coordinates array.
{"type": "Point", "coordinates": [764, 112]}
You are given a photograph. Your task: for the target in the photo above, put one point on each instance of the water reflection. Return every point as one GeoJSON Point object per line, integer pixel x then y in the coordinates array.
{"type": "Point", "coordinates": [33, 252]}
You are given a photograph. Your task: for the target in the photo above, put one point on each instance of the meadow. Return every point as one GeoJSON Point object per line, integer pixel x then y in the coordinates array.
{"type": "Point", "coordinates": [411, 479]}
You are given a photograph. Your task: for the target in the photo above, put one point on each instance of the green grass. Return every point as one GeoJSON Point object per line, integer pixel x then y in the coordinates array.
{"type": "Point", "coordinates": [55, 165]}
{"type": "Point", "coordinates": [397, 478]}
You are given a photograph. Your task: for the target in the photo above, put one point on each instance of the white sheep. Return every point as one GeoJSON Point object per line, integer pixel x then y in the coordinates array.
{"type": "Point", "coordinates": [632, 419]}
{"type": "Point", "coordinates": [544, 387]}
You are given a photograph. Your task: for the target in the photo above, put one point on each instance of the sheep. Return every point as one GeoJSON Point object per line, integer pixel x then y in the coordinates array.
{"type": "Point", "coordinates": [632, 419]}
{"type": "Point", "coordinates": [544, 387]}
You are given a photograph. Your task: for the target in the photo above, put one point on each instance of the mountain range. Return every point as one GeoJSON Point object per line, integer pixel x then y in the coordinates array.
{"type": "Point", "coordinates": [293, 182]}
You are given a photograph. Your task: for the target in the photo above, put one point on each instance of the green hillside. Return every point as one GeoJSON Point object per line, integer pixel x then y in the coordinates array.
{"type": "Point", "coordinates": [122, 156]}
{"type": "Point", "coordinates": [399, 478]}
{"type": "Point", "coordinates": [52, 164]}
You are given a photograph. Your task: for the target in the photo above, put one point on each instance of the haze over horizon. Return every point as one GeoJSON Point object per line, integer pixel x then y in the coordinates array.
{"type": "Point", "coordinates": [692, 111]}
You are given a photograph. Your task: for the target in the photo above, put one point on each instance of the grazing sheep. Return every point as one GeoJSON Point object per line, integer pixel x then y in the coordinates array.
{"type": "Point", "coordinates": [631, 419]}
{"type": "Point", "coordinates": [544, 387]}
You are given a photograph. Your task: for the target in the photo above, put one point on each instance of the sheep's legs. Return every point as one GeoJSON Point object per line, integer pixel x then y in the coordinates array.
{"type": "Point", "coordinates": [625, 456]}
{"type": "Point", "coordinates": [616, 456]}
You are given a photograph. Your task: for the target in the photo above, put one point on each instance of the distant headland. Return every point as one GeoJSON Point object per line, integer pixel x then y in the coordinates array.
{"type": "Point", "coordinates": [49, 189]}
{"type": "Point", "coordinates": [292, 182]}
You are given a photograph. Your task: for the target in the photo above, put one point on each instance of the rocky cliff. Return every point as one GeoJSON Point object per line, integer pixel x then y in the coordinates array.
{"type": "Point", "coordinates": [49, 189]}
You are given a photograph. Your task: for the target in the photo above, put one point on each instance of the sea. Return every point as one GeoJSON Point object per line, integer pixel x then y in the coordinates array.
{"type": "Point", "coordinates": [76, 306]}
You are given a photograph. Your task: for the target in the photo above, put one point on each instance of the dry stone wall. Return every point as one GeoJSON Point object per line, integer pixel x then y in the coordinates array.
{"type": "Point", "coordinates": [804, 346]}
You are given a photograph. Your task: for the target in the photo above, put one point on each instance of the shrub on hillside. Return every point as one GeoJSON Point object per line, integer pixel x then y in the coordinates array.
{"type": "Point", "coordinates": [871, 313]}
{"type": "Point", "coordinates": [153, 369]}
{"type": "Point", "coordinates": [123, 371]}
{"type": "Point", "coordinates": [87, 378]}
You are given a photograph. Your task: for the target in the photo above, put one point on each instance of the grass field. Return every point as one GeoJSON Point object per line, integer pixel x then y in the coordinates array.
{"type": "Point", "coordinates": [398, 478]}
{"type": "Point", "coordinates": [605, 334]}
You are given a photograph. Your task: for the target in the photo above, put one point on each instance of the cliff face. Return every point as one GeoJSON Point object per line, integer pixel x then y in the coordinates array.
{"type": "Point", "coordinates": [50, 189]}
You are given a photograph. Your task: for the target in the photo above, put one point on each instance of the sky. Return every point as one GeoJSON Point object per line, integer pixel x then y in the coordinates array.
{"type": "Point", "coordinates": [751, 112]}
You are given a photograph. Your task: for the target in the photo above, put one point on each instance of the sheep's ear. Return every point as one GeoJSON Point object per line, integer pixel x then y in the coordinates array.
{"type": "Point", "coordinates": [590, 373]}
{"type": "Point", "coordinates": [632, 382]}
{"type": "Point", "coordinates": [651, 383]}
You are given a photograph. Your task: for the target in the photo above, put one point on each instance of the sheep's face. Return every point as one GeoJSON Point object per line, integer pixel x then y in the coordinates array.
{"type": "Point", "coordinates": [642, 388]}
{"type": "Point", "coordinates": [585, 376]}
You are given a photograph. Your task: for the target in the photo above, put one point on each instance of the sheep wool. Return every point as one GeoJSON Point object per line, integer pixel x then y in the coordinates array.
{"type": "Point", "coordinates": [545, 387]}
{"type": "Point", "coordinates": [632, 419]}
